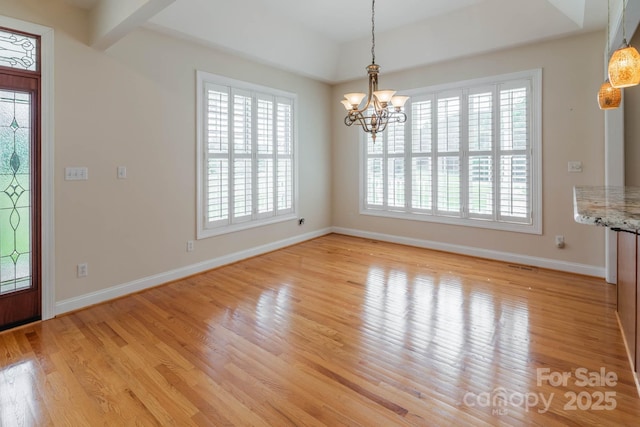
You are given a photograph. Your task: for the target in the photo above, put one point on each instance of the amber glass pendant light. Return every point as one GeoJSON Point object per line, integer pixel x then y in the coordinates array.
{"type": "Point", "coordinates": [609, 97]}
{"type": "Point", "coordinates": [624, 65]}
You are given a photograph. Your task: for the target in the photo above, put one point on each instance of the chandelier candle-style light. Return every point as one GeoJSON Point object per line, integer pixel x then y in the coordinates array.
{"type": "Point", "coordinates": [381, 106]}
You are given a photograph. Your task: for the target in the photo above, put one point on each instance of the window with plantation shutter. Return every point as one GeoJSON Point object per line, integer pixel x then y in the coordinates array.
{"type": "Point", "coordinates": [470, 154]}
{"type": "Point", "coordinates": [246, 169]}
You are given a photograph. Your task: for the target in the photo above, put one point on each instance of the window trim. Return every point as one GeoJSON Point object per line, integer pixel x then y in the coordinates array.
{"type": "Point", "coordinates": [535, 77]}
{"type": "Point", "coordinates": [202, 79]}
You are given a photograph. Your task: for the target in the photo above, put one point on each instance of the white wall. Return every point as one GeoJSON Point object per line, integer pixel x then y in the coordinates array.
{"type": "Point", "coordinates": [134, 105]}
{"type": "Point", "coordinates": [573, 129]}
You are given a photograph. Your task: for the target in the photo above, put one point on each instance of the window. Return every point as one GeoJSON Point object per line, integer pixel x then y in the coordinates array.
{"type": "Point", "coordinates": [469, 154]}
{"type": "Point", "coordinates": [246, 161]}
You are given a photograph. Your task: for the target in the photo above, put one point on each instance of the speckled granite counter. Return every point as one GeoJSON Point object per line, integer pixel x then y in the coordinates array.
{"type": "Point", "coordinates": [614, 207]}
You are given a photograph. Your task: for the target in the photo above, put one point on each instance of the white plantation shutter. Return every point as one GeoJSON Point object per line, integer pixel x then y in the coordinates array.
{"type": "Point", "coordinates": [514, 152]}
{"type": "Point", "coordinates": [284, 155]}
{"type": "Point", "coordinates": [481, 188]}
{"type": "Point", "coordinates": [448, 154]}
{"type": "Point", "coordinates": [375, 182]}
{"type": "Point", "coordinates": [394, 142]}
{"type": "Point", "coordinates": [247, 147]}
{"type": "Point", "coordinates": [386, 174]}
{"type": "Point", "coordinates": [421, 154]}
{"type": "Point", "coordinates": [265, 153]}
{"type": "Point", "coordinates": [241, 154]}
{"type": "Point", "coordinates": [469, 154]}
{"type": "Point", "coordinates": [217, 143]}
{"type": "Point", "coordinates": [376, 176]}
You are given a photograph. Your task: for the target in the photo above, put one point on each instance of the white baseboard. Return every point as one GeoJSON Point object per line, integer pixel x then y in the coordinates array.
{"type": "Point", "coordinates": [118, 291]}
{"type": "Point", "coordinates": [552, 264]}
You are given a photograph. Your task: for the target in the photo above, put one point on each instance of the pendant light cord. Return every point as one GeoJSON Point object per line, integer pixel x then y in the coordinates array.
{"type": "Point", "coordinates": [373, 32]}
{"type": "Point", "coordinates": [608, 26]}
{"type": "Point", "coordinates": [624, 26]}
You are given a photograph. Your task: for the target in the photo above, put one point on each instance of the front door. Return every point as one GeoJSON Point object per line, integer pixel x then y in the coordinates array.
{"type": "Point", "coordinates": [20, 277]}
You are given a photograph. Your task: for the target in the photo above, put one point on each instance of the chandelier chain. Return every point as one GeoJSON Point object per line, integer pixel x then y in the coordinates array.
{"type": "Point", "coordinates": [373, 32]}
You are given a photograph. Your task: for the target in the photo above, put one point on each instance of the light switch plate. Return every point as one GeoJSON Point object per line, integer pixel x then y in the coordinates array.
{"type": "Point", "coordinates": [574, 166]}
{"type": "Point", "coordinates": [76, 173]}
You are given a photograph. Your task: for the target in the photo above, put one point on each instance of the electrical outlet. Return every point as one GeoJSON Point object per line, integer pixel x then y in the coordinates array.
{"type": "Point", "coordinates": [301, 221]}
{"type": "Point", "coordinates": [190, 247]}
{"type": "Point", "coordinates": [122, 172]}
{"type": "Point", "coordinates": [560, 241]}
{"type": "Point", "coordinates": [83, 269]}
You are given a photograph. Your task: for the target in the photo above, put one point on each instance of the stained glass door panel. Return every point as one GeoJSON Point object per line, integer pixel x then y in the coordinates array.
{"type": "Point", "coordinates": [20, 235]}
{"type": "Point", "coordinates": [15, 185]}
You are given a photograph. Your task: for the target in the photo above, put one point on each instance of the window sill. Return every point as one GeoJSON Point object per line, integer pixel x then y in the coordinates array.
{"type": "Point", "coordinates": [535, 228]}
{"type": "Point", "coordinates": [217, 231]}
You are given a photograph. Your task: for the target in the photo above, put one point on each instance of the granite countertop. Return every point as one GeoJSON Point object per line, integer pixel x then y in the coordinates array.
{"type": "Point", "coordinates": [614, 207]}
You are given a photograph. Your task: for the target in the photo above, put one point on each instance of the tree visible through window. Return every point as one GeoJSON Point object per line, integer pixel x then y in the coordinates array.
{"type": "Point", "coordinates": [470, 154]}
{"type": "Point", "coordinates": [246, 150]}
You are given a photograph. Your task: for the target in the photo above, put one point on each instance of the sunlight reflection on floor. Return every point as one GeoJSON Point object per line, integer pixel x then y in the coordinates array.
{"type": "Point", "coordinates": [450, 321]}
{"type": "Point", "coordinates": [17, 393]}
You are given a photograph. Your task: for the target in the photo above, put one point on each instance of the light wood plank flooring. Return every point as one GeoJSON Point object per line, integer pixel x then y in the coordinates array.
{"type": "Point", "coordinates": [337, 331]}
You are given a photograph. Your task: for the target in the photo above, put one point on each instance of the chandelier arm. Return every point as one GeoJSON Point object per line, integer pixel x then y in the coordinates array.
{"type": "Point", "coordinates": [363, 109]}
{"type": "Point", "coordinates": [359, 119]}
{"type": "Point", "coordinates": [348, 120]}
{"type": "Point", "coordinates": [373, 86]}
{"type": "Point", "coordinates": [399, 116]}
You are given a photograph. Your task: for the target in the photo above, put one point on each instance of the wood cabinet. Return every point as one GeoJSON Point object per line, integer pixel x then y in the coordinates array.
{"type": "Point", "coordinates": [636, 356]}
{"type": "Point", "coordinates": [628, 296]}
{"type": "Point", "coordinates": [627, 289]}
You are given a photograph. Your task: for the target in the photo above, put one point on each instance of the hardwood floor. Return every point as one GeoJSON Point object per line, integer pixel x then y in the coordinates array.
{"type": "Point", "coordinates": [338, 331]}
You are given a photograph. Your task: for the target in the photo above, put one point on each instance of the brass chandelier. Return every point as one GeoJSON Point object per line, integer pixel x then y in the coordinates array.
{"type": "Point", "coordinates": [381, 106]}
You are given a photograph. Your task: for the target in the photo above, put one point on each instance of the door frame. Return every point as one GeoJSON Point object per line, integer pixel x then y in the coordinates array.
{"type": "Point", "coordinates": [46, 158]}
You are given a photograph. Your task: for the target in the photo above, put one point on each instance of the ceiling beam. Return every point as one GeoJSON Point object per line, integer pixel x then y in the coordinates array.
{"type": "Point", "coordinates": [111, 20]}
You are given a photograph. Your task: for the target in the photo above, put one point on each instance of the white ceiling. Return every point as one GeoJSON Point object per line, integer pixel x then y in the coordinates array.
{"type": "Point", "coordinates": [330, 40]}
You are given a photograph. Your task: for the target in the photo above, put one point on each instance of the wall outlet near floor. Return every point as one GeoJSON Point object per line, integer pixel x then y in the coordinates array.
{"type": "Point", "coordinates": [559, 242]}
{"type": "Point", "coordinates": [301, 221]}
{"type": "Point", "coordinates": [190, 246]}
{"type": "Point", "coordinates": [83, 269]}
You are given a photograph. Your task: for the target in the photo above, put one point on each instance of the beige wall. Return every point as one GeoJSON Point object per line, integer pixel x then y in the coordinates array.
{"type": "Point", "coordinates": [573, 129]}
{"type": "Point", "coordinates": [134, 105]}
